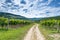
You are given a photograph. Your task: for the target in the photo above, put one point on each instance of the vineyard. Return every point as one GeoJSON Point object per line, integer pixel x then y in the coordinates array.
{"type": "Point", "coordinates": [5, 22]}
{"type": "Point", "coordinates": [50, 27]}
{"type": "Point", "coordinates": [9, 31]}
{"type": "Point", "coordinates": [13, 29]}
{"type": "Point", "coordinates": [51, 24]}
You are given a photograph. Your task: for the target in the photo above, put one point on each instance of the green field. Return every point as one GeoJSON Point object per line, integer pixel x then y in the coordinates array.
{"type": "Point", "coordinates": [14, 34]}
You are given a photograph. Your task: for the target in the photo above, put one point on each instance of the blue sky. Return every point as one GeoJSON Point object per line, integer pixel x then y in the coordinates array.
{"type": "Point", "coordinates": [31, 8]}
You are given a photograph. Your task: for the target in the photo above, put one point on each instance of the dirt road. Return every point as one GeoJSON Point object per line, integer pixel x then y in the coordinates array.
{"type": "Point", "coordinates": [34, 34]}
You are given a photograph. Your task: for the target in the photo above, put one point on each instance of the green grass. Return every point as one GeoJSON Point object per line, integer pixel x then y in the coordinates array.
{"type": "Point", "coordinates": [46, 32]}
{"type": "Point", "coordinates": [14, 34]}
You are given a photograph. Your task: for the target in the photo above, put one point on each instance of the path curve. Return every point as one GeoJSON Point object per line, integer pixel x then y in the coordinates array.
{"type": "Point", "coordinates": [34, 34]}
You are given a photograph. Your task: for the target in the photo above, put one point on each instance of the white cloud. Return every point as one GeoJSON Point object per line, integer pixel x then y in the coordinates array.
{"type": "Point", "coordinates": [1, 1]}
{"type": "Point", "coordinates": [49, 1]}
{"type": "Point", "coordinates": [16, 1]}
{"type": "Point", "coordinates": [58, 3]}
{"type": "Point", "coordinates": [35, 11]}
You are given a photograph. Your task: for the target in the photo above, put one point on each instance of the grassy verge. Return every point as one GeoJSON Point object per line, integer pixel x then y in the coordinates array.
{"type": "Point", "coordinates": [14, 34]}
{"type": "Point", "coordinates": [46, 32]}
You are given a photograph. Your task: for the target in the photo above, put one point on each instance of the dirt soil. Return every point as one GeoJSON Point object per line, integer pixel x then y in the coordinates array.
{"type": "Point", "coordinates": [34, 34]}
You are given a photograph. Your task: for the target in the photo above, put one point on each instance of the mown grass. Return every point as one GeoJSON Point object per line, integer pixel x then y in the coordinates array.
{"type": "Point", "coordinates": [46, 32]}
{"type": "Point", "coordinates": [14, 34]}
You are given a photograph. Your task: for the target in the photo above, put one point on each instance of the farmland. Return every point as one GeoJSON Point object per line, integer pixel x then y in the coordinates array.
{"type": "Point", "coordinates": [14, 28]}
{"type": "Point", "coordinates": [50, 28]}
{"type": "Point", "coordinates": [8, 32]}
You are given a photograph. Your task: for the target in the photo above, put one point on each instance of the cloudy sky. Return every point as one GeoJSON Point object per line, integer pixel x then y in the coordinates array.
{"type": "Point", "coordinates": [31, 8]}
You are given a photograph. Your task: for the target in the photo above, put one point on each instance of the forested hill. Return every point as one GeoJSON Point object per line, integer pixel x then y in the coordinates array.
{"type": "Point", "coordinates": [9, 15]}
{"type": "Point", "coordinates": [45, 18]}
{"type": "Point", "coordinates": [55, 17]}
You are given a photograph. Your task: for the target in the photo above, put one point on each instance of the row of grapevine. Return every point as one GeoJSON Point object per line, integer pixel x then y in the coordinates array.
{"type": "Point", "coordinates": [6, 22]}
{"type": "Point", "coordinates": [51, 24]}
{"type": "Point", "coordinates": [17, 21]}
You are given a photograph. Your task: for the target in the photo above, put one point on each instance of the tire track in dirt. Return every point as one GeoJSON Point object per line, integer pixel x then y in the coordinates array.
{"type": "Point", "coordinates": [34, 34]}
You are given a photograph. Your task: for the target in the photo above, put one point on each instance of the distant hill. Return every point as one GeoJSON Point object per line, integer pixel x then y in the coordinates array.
{"type": "Point", "coordinates": [9, 15]}
{"type": "Point", "coordinates": [34, 19]}
{"type": "Point", "coordinates": [54, 17]}
{"type": "Point", "coordinates": [46, 18]}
